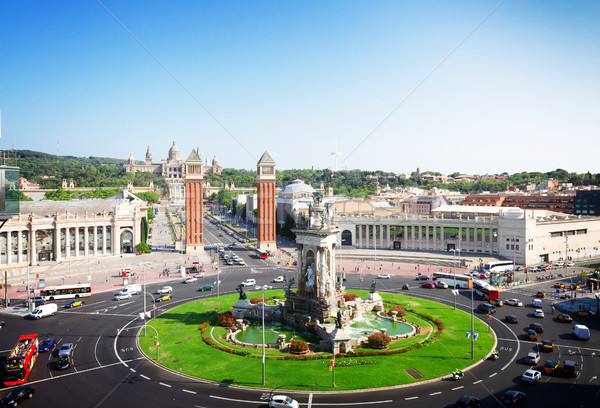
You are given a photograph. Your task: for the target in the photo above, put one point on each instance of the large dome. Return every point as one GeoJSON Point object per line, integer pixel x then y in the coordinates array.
{"type": "Point", "coordinates": [297, 189]}
{"type": "Point", "coordinates": [173, 153]}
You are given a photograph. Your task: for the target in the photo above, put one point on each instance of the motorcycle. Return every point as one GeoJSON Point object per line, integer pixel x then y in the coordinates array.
{"type": "Point", "coordinates": [495, 355]}
{"type": "Point", "coordinates": [457, 375]}
{"type": "Point", "coordinates": [405, 287]}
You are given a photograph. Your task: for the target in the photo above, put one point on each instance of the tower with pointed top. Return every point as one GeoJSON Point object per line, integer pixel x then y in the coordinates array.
{"type": "Point", "coordinates": [194, 206]}
{"type": "Point", "coordinates": [265, 192]}
{"type": "Point", "coordinates": [148, 157]}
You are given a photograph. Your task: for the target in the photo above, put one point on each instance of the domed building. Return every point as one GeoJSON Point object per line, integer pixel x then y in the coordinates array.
{"type": "Point", "coordinates": [293, 199]}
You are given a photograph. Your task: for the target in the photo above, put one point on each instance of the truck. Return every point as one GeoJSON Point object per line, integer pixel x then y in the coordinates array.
{"type": "Point", "coordinates": [581, 332]}
{"type": "Point", "coordinates": [48, 309]}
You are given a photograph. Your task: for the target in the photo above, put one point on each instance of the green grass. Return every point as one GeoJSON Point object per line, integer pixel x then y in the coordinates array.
{"type": "Point", "coordinates": [182, 350]}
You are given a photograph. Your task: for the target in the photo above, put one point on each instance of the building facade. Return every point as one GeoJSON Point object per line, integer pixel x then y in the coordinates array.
{"type": "Point", "coordinates": [587, 202]}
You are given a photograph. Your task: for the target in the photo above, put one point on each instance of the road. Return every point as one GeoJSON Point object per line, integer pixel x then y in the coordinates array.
{"type": "Point", "coordinates": [109, 370]}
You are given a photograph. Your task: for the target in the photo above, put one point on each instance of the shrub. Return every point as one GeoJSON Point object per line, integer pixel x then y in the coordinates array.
{"type": "Point", "coordinates": [401, 310]}
{"type": "Point", "coordinates": [257, 300]}
{"type": "Point", "coordinates": [298, 345]}
{"type": "Point", "coordinates": [226, 319]}
{"type": "Point", "coordinates": [350, 296]}
{"type": "Point", "coordinates": [378, 340]}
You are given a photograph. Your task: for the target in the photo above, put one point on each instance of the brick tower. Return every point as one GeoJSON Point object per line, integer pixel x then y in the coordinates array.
{"type": "Point", "coordinates": [265, 191]}
{"type": "Point", "coordinates": [194, 211]}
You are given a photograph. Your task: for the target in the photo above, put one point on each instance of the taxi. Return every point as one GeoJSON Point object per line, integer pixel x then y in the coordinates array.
{"type": "Point", "coordinates": [550, 367]}
{"type": "Point", "coordinates": [574, 286]}
{"type": "Point", "coordinates": [548, 345]}
{"type": "Point", "coordinates": [496, 302]}
{"type": "Point", "coordinates": [541, 294]}
{"type": "Point", "coordinates": [565, 318]}
{"type": "Point", "coordinates": [559, 285]}
{"type": "Point", "coordinates": [162, 298]}
{"type": "Point", "coordinates": [74, 303]}
{"type": "Point", "coordinates": [531, 335]}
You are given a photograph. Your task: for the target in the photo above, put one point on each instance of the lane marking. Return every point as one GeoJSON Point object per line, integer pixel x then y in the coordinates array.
{"type": "Point", "coordinates": [458, 388]}
{"type": "Point", "coordinates": [144, 377]}
{"type": "Point", "coordinates": [165, 385]}
{"type": "Point", "coordinates": [310, 397]}
{"type": "Point", "coordinates": [491, 375]}
{"type": "Point", "coordinates": [410, 398]}
{"type": "Point", "coordinates": [477, 382]}
{"type": "Point", "coordinates": [435, 393]}
{"type": "Point", "coordinates": [96, 351]}
{"type": "Point", "coordinates": [131, 369]}
{"type": "Point", "coordinates": [188, 391]}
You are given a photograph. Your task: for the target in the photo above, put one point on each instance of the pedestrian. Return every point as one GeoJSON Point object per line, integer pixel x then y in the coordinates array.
{"type": "Point", "coordinates": [552, 309]}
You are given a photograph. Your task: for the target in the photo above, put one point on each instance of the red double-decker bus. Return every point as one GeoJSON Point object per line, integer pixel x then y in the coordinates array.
{"type": "Point", "coordinates": [20, 361]}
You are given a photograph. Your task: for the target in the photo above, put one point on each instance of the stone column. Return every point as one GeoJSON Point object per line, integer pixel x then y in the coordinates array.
{"type": "Point", "coordinates": [76, 241]}
{"type": "Point", "coordinates": [85, 241]}
{"type": "Point", "coordinates": [434, 237]}
{"type": "Point", "coordinates": [104, 240]}
{"type": "Point", "coordinates": [32, 248]}
{"type": "Point", "coordinates": [116, 239]}
{"type": "Point", "coordinates": [442, 238]}
{"type": "Point", "coordinates": [381, 244]}
{"type": "Point", "coordinates": [405, 236]}
{"type": "Point", "coordinates": [460, 237]}
{"type": "Point", "coordinates": [95, 240]}
{"type": "Point", "coordinates": [19, 247]}
{"type": "Point", "coordinates": [427, 237]}
{"type": "Point", "coordinates": [389, 244]}
{"type": "Point", "coordinates": [56, 244]}
{"type": "Point", "coordinates": [412, 236]}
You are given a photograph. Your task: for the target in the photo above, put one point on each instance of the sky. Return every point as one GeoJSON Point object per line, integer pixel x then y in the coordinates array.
{"type": "Point", "coordinates": [477, 87]}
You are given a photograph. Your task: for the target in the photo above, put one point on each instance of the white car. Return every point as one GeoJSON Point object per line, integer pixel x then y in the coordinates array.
{"type": "Point", "coordinates": [513, 302]}
{"type": "Point", "coordinates": [531, 376]}
{"type": "Point", "coordinates": [191, 279]}
{"type": "Point", "coordinates": [164, 290]}
{"type": "Point", "coordinates": [570, 263]}
{"type": "Point", "coordinates": [383, 276]}
{"type": "Point", "coordinates": [283, 401]}
{"type": "Point", "coordinates": [279, 279]}
{"type": "Point", "coordinates": [241, 262]}
{"type": "Point", "coordinates": [122, 296]}
{"type": "Point", "coordinates": [199, 275]}
{"type": "Point", "coordinates": [532, 358]}
{"type": "Point", "coordinates": [538, 313]}
{"type": "Point", "coordinates": [442, 285]}
{"type": "Point", "coordinates": [249, 282]}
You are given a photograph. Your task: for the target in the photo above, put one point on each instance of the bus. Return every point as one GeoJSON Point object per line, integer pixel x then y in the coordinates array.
{"type": "Point", "coordinates": [498, 266]}
{"type": "Point", "coordinates": [67, 291]}
{"type": "Point", "coordinates": [261, 254]}
{"type": "Point", "coordinates": [19, 362]}
{"type": "Point", "coordinates": [462, 281]}
{"type": "Point", "coordinates": [485, 290]}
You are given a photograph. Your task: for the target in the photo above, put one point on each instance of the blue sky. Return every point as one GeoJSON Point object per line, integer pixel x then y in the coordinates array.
{"type": "Point", "coordinates": [519, 94]}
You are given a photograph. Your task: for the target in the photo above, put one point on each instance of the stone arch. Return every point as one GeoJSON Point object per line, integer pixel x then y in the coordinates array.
{"type": "Point", "coordinates": [346, 238]}
{"type": "Point", "coordinates": [126, 241]}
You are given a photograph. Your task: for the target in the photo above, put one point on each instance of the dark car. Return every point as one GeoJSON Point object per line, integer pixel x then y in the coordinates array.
{"type": "Point", "coordinates": [466, 401]}
{"type": "Point", "coordinates": [17, 395]}
{"type": "Point", "coordinates": [512, 398]}
{"type": "Point", "coordinates": [537, 327]}
{"type": "Point", "coordinates": [47, 345]}
{"type": "Point", "coordinates": [63, 362]}
{"type": "Point", "coordinates": [511, 319]}
{"type": "Point", "coordinates": [205, 288]}
{"type": "Point", "coordinates": [422, 277]}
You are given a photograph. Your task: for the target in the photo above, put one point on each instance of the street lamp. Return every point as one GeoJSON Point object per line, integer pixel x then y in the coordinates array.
{"type": "Point", "coordinates": [454, 271]}
{"type": "Point", "coordinates": [263, 335]}
{"type": "Point", "coordinates": [144, 274]}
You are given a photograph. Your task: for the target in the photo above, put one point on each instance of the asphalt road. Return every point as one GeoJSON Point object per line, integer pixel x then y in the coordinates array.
{"type": "Point", "coordinates": [109, 370]}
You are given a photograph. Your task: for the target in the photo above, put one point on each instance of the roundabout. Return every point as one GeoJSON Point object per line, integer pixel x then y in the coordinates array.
{"type": "Point", "coordinates": [193, 344]}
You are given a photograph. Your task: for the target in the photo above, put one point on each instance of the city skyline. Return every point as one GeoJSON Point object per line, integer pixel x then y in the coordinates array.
{"type": "Point", "coordinates": [474, 87]}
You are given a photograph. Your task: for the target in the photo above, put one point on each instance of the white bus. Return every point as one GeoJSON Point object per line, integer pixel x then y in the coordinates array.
{"type": "Point", "coordinates": [498, 266]}
{"type": "Point", "coordinates": [66, 291]}
{"type": "Point", "coordinates": [462, 281]}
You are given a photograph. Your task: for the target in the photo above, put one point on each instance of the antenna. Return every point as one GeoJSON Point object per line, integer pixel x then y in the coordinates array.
{"type": "Point", "coordinates": [336, 155]}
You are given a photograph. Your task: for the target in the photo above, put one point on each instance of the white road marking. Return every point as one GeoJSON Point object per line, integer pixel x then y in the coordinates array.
{"type": "Point", "coordinates": [131, 369]}
{"type": "Point", "coordinates": [491, 375]}
{"type": "Point", "coordinates": [410, 398]}
{"type": "Point", "coordinates": [458, 388]}
{"type": "Point", "coordinates": [477, 382]}
{"type": "Point", "coordinates": [309, 400]}
{"type": "Point", "coordinates": [144, 377]}
{"type": "Point", "coordinates": [435, 393]}
{"type": "Point", "coordinates": [96, 351]}
{"type": "Point", "coordinates": [165, 385]}
{"type": "Point", "coordinates": [188, 391]}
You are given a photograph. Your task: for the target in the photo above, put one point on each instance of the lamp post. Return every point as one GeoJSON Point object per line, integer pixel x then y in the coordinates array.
{"type": "Point", "coordinates": [454, 271]}
{"type": "Point", "coordinates": [263, 335]}
{"type": "Point", "coordinates": [472, 328]}
{"type": "Point", "coordinates": [144, 275]}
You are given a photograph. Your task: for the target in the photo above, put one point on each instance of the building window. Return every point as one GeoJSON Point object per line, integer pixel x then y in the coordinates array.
{"type": "Point", "coordinates": [516, 247]}
{"type": "Point", "coordinates": [507, 246]}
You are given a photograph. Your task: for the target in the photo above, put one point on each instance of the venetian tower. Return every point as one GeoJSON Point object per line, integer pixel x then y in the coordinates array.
{"type": "Point", "coordinates": [194, 211]}
{"type": "Point", "coordinates": [265, 192]}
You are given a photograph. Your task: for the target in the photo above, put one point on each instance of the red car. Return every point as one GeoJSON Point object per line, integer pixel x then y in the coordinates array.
{"type": "Point", "coordinates": [428, 285]}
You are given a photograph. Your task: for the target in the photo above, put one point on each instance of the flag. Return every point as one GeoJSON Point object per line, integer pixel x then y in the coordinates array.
{"type": "Point", "coordinates": [468, 335]}
{"type": "Point", "coordinates": [475, 336]}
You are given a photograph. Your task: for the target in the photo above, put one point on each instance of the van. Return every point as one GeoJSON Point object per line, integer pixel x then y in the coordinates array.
{"type": "Point", "coordinates": [537, 303]}
{"type": "Point", "coordinates": [487, 308]}
{"type": "Point", "coordinates": [133, 289]}
{"type": "Point", "coordinates": [44, 311]}
{"type": "Point", "coordinates": [581, 332]}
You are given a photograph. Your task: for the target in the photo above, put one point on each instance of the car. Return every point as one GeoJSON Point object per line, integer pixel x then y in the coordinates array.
{"type": "Point", "coordinates": [164, 290]}
{"type": "Point", "coordinates": [17, 395]}
{"type": "Point", "coordinates": [191, 279]}
{"type": "Point", "coordinates": [538, 313]}
{"type": "Point", "coordinates": [550, 367]}
{"type": "Point", "coordinates": [74, 303]}
{"type": "Point", "coordinates": [574, 286]}
{"type": "Point", "coordinates": [511, 319]}
{"type": "Point", "coordinates": [548, 345]}
{"type": "Point", "coordinates": [122, 296]}
{"type": "Point", "coordinates": [531, 335]}
{"type": "Point", "coordinates": [537, 327]}
{"type": "Point", "coordinates": [531, 376]}
{"type": "Point", "coordinates": [249, 282]}
{"type": "Point", "coordinates": [383, 276]}
{"type": "Point", "coordinates": [282, 401]}
{"type": "Point", "coordinates": [422, 277]}
{"type": "Point", "coordinates": [541, 294]}
{"type": "Point", "coordinates": [571, 368]}
{"type": "Point", "coordinates": [442, 285]}
{"type": "Point", "coordinates": [583, 313]}
{"type": "Point", "coordinates": [38, 300]}
{"type": "Point", "coordinates": [565, 318]}
{"type": "Point", "coordinates": [532, 358]}
{"type": "Point", "coordinates": [47, 345]}
{"type": "Point", "coordinates": [163, 298]}
{"type": "Point", "coordinates": [428, 285]}
{"type": "Point", "coordinates": [513, 398]}
{"type": "Point", "coordinates": [496, 302]}
{"type": "Point", "coordinates": [467, 401]}
{"type": "Point", "coordinates": [486, 308]}
{"type": "Point", "coordinates": [513, 302]}
{"type": "Point", "coordinates": [66, 349]}
{"type": "Point", "coordinates": [241, 262]}
{"type": "Point", "coordinates": [249, 246]}
{"type": "Point", "coordinates": [483, 276]}
{"type": "Point", "coordinates": [570, 263]}
{"type": "Point", "coordinates": [221, 234]}
{"type": "Point", "coordinates": [279, 279]}
{"type": "Point", "coordinates": [559, 264]}
{"type": "Point", "coordinates": [205, 288]}
{"type": "Point", "coordinates": [63, 362]}
{"type": "Point", "coordinates": [519, 268]}
{"type": "Point", "coordinates": [559, 285]}
{"type": "Point", "coordinates": [199, 275]}
{"type": "Point", "coordinates": [546, 267]}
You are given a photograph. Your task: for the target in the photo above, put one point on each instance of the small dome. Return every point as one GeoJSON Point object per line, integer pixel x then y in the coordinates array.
{"type": "Point", "coordinates": [131, 159]}
{"type": "Point", "coordinates": [174, 153]}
